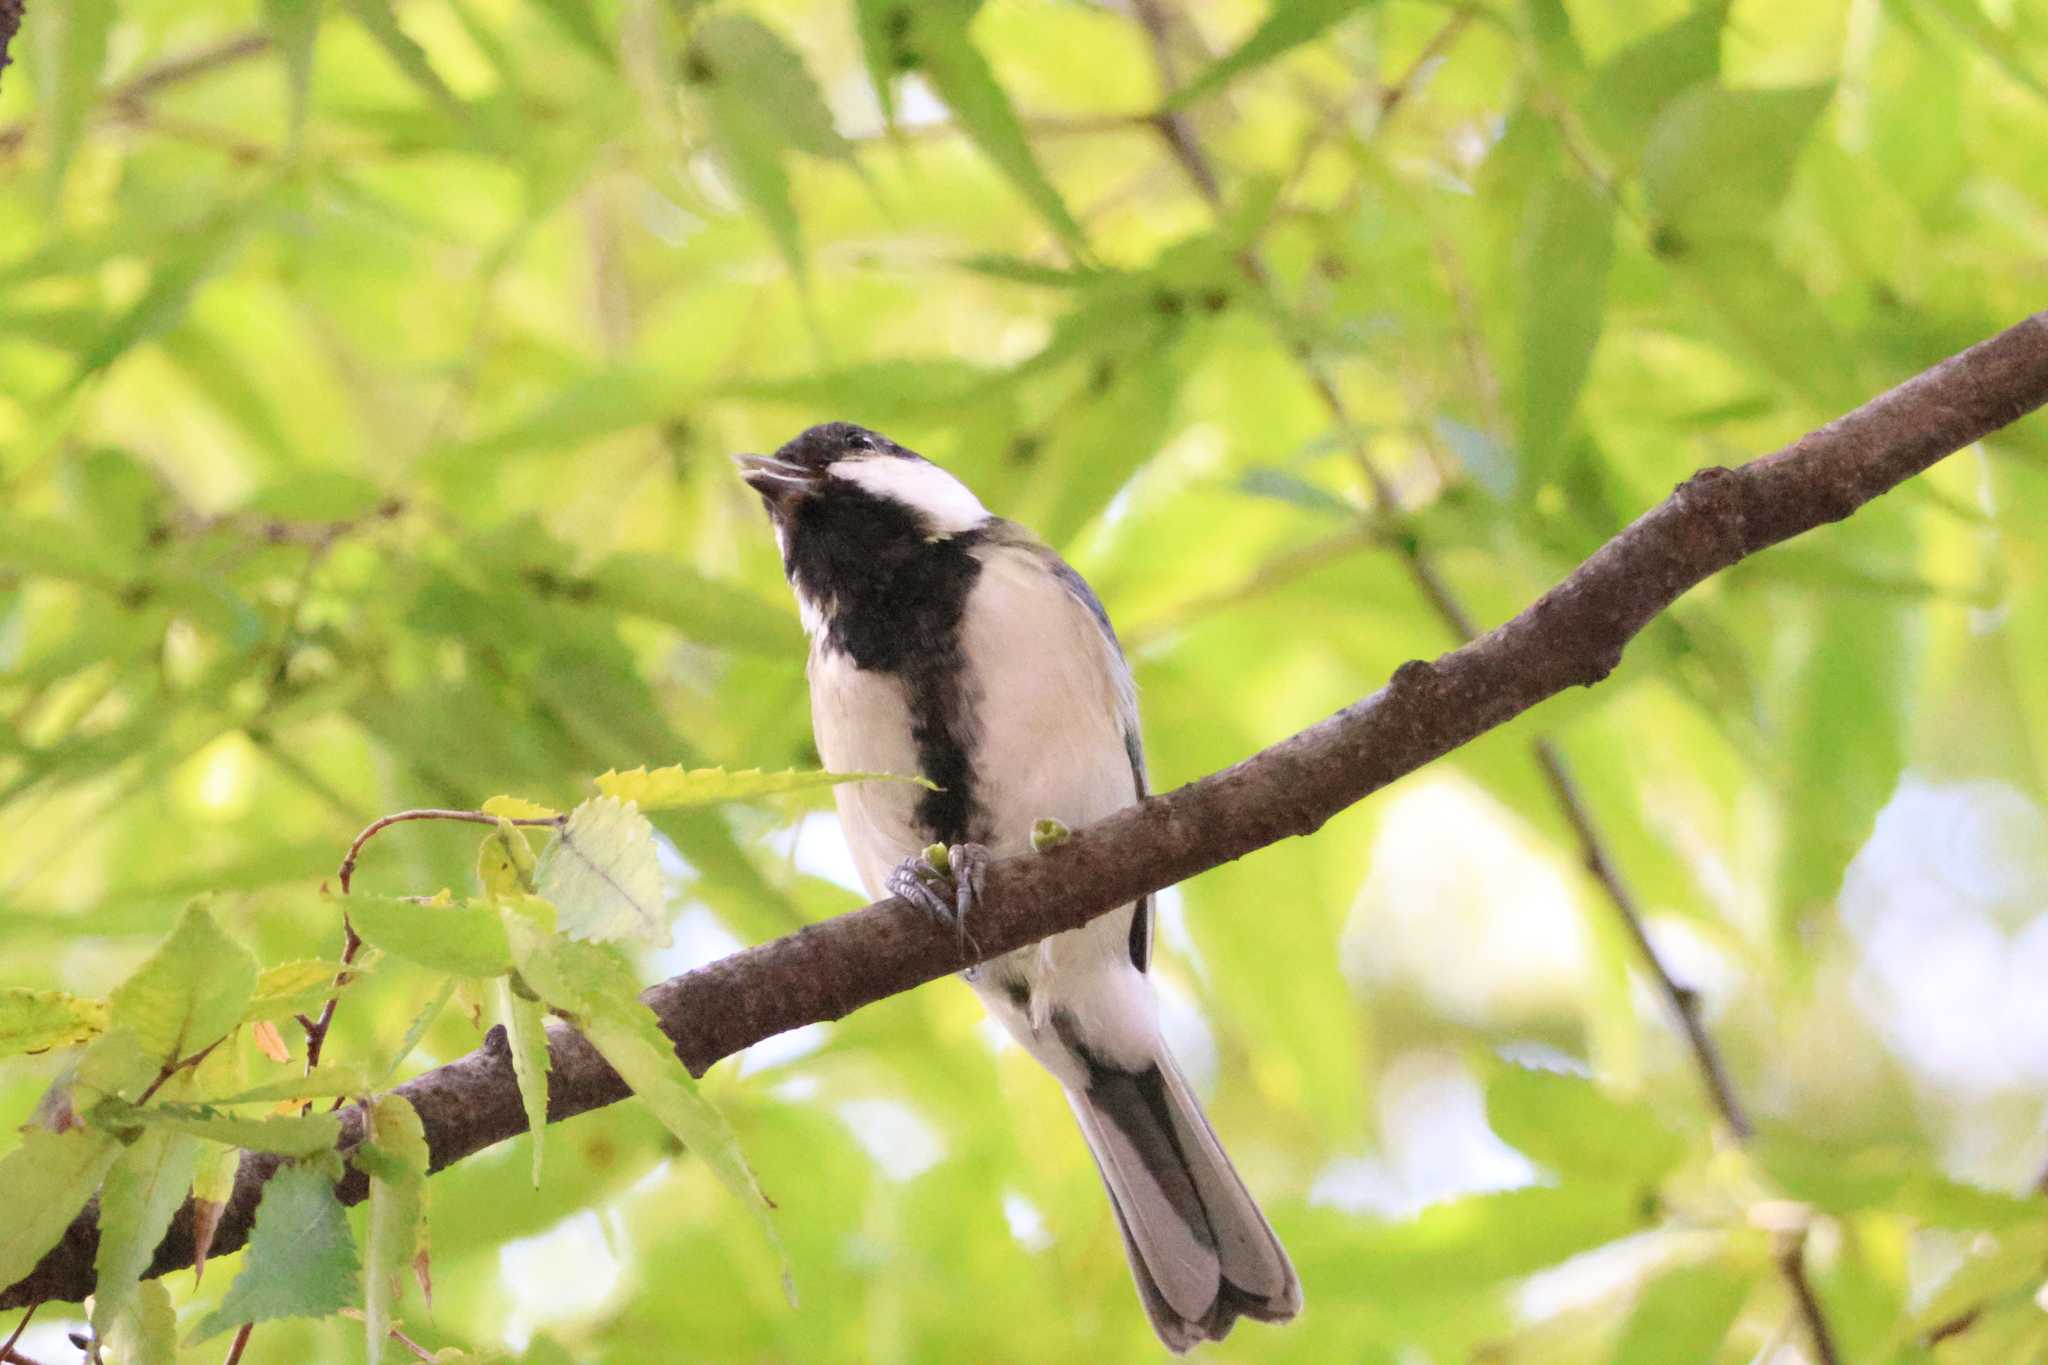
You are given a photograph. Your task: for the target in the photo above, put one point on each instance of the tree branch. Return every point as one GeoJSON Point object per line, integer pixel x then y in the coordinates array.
{"type": "Point", "coordinates": [1572, 636]}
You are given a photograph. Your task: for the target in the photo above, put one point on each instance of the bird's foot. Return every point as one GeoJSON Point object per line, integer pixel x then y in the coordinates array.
{"type": "Point", "coordinates": [945, 883]}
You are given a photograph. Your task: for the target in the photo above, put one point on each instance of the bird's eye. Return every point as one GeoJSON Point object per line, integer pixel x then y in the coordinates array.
{"type": "Point", "coordinates": [862, 442]}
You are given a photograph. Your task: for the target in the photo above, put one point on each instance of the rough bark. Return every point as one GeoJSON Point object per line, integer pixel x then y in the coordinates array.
{"type": "Point", "coordinates": [1572, 636]}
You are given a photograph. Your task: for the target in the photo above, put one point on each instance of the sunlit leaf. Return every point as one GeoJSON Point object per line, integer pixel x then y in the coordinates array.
{"type": "Point", "coordinates": [1575, 1128]}
{"type": "Point", "coordinates": [1720, 159]}
{"type": "Point", "coordinates": [395, 1157]}
{"type": "Point", "coordinates": [143, 1190]}
{"type": "Point", "coordinates": [465, 938]}
{"type": "Point", "coordinates": [301, 1259]}
{"type": "Point", "coordinates": [43, 1182]}
{"type": "Point", "coordinates": [602, 876]}
{"type": "Point", "coordinates": [1570, 249]}
{"type": "Point", "coordinates": [526, 1036]}
{"type": "Point", "coordinates": [677, 787]}
{"type": "Point", "coordinates": [36, 1021]}
{"type": "Point", "coordinates": [1683, 1314]}
{"type": "Point", "coordinates": [191, 991]}
{"type": "Point", "coordinates": [1290, 24]}
{"type": "Point", "coordinates": [518, 808]}
{"type": "Point", "coordinates": [286, 1134]}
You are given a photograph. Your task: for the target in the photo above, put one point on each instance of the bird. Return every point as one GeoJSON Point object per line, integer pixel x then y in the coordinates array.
{"type": "Point", "coordinates": [951, 643]}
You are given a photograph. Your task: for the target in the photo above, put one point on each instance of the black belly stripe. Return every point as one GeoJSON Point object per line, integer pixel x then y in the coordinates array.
{"type": "Point", "coordinates": [896, 605]}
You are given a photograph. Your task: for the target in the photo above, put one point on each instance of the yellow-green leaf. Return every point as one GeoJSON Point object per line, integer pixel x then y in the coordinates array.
{"type": "Point", "coordinates": [676, 787]}
{"type": "Point", "coordinates": [395, 1158]}
{"type": "Point", "coordinates": [36, 1021]}
{"type": "Point", "coordinates": [526, 1035]}
{"type": "Point", "coordinates": [190, 992]}
{"type": "Point", "coordinates": [464, 938]}
{"type": "Point", "coordinates": [43, 1182]}
{"type": "Point", "coordinates": [288, 1134]}
{"type": "Point", "coordinates": [146, 1331]}
{"type": "Point", "coordinates": [292, 987]}
{"type": "Point", "coordinates": [518, 808]}
{"type": "Point", "coordinates": [143, 1190]}
{"type": "Point", "coordinates": [602, 877]}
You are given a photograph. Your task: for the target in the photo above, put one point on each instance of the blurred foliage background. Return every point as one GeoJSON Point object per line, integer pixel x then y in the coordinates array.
{"type": "Point", "coordinates": [367, 376]}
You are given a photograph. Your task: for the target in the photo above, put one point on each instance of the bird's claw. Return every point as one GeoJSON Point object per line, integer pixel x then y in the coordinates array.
{"type": "Point", "coordinates": [945, 883]}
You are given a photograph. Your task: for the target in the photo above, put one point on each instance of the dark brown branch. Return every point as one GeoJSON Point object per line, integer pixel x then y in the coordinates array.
{"type": "Point", "coordinates": [1572, 636]}
{"type": "Point", "coordinates": [1792, 1265]}
{"type": "Point", "coordinates": [10, 24]}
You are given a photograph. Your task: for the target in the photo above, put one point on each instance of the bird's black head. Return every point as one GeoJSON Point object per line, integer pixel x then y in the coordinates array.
{"type": "Point", "coordinates": [853, 510]}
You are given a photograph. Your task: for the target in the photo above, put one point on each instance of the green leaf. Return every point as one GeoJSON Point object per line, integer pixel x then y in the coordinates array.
{"type": "Point", "coordinates": [526, 1036]}
{"type": "Point", "coordinates": [421, 1022]}
{"type": "Point", "coordinates": [1684, 1315]}
{"type": "Point", "coordinates": [602, 876]}
{"type": "Point", "coordinates": [947, 56]}
{"type": "Point", "coordinates": [395, 1158]}
{"type": "Point", "coordinates": [740, 54]}
{"type": "Point", "coordinates": [381, 21]}
{"type": "Point", "coordinates": [1719, 160]}
{"type": "Point", "coordinates": [212, 1186]}
{"type": "Point", "coordinates": [178, 274]}
{"type": "Point", "coordinates": [190, 992]}
{"type": "Point", "coordinates": [36, 1021]}
{"type": "Point", "coordinates": [288, 1134]}
{"type": "Point", "coordinates": [717, 614]}
{"type": "Point", "coordinates": [1633, 85]}
{"type": "Point", "coordinates": [505, 863]}
{"type": "Point", "coordinates": [147, 1332]}
{"type": "Point", "coordinates": [518, 808]}
{"type": "Point", "coordinates": [73, 43]}
{"type": "Point", "coordinates": [300, 1261]}
{"type": "Point", "coordinates": [578, 20]}
{"type": "Point", "coordinates": [143, 1190]}
{"type": "Point", "coordinates": [589, 984]}
{"type": "Point", "coordinates": [1575, 1128]}
{"type": "Point", "coordinates": [291, 987]}
{"type": "Point", "coordinates": [1290, 24]}
{"type": "Point", "coordinates": [294, 24]}
{"type": "Point", "coordinates": [43, 1182]}
{"type": "Point", "coordinates": [464, 938]}
{"type": "Point", "coordinates": [676, 787]}
{"type": "Point", "coordinates": [328, 1082]}
{"type": "Point", "coordinates": [1570, 250]}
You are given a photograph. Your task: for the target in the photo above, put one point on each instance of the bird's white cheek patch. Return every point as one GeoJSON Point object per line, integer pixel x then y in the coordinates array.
{"type": "Point", "coordinates": [947, 504]}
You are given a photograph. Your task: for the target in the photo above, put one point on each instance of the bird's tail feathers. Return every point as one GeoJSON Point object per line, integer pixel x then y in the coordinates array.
{"type": "Point", "coordinates": [1202, 1253]}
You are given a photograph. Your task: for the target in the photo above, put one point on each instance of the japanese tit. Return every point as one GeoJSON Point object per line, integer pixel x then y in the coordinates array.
{"type": "Point", "coordinates": [948, 642]}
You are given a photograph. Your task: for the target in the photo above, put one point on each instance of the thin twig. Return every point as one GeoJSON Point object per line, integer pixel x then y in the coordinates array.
{"type": "Point", "coordinates": [171, 1069]}
{"type": "Point", "coordinates": [1792, 1264]}
{"type": "Point", "coordinates": [13, 1337]}
{"type": "Point", "coordinates": [352, 942]}
{"type": "Point", "coordinates": [241, 1343]}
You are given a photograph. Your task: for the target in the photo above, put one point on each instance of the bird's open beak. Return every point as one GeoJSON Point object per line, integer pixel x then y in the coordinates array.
{"type": "Point", "coordinates": [771, 477]}
{"type": "Point", "coordinates": [782, 485]}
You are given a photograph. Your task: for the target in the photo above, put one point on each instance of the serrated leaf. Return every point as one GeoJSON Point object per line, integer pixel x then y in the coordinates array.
{"type": "Point", "coordinates": [1570, 250]}
{"type": "Point", "coordinates": [518, 808]}
{"type": "Point", "coordinates": [43, 1182]}
{"type": "Point", "coordinates": [592, 986]}
{"type": "Point", "coordinates": [294, 25]}
{"type": "Point", "coordinates": [602, 877]}
{"type": "Point", "coordinates": [676, 787]}
{"type": "Point", "coordinates": [465, 938]}
{"type": "Point", "coordinates": [947, 56]}
{"type": "Point", "coordinates": [147, 1332]}
{"type": "Point", "coordinates": [1287, 26]}
{"type": "Point", "coordinates": [36, 1021]}
{"type": "Point", "coordinates": [300, 1262]}
{"type": "Point", "coordinates": [1575, 1128]}
{"type": "Point", "coordinates": [190, 992]}
{"type": "Point", "coordinates": [287, 1134]}
{"type": "Point", "coordinates": [395, 1158]}
{"type": "Point", "coordinates": [526, 1036]}
{"type": "Point", "coordinates": [143, 1190]}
